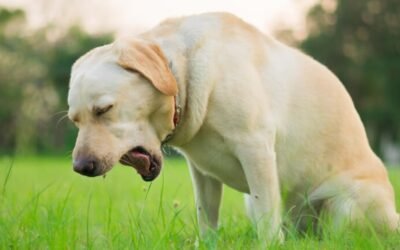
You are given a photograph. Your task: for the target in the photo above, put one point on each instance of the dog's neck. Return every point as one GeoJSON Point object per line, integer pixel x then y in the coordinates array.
{"type": "Point", "coordinates": [191, 110]}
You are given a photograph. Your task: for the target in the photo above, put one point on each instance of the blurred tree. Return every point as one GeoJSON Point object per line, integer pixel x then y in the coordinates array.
{"type": "Point", "coordinates": [360, 42]}
{"type": "Point", "coordinates": [10, 61]}
{"type": "Point", "coordinates": [60, 59]}
{"type": "Point", "coordinates": [34, 75]}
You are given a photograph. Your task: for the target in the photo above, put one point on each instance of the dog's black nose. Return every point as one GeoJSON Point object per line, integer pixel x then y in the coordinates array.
{"type": "Point", "coordinates": [86, 166]}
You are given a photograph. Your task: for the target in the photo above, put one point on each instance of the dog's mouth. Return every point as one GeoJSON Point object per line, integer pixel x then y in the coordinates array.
{"type": "Point", "coordinates": [146, 164]}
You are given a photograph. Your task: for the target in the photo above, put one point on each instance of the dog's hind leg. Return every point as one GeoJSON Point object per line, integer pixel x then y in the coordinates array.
{"type": "Point", "coordinates": [360, 203]}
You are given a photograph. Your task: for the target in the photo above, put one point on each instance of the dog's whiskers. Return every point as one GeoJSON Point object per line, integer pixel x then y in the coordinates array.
{"type": "Point", "coordinates": [61, 112]}
{"type": "Point", "coordinates": [68, 153]}
{"type": "Point", "coordinates": [61, 119]}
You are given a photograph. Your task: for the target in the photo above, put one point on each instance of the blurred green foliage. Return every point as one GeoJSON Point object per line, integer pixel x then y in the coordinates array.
{"type": "Point", "coordinates": [360, 42]}
{"type": "Point", "coordinates": [34, 75]}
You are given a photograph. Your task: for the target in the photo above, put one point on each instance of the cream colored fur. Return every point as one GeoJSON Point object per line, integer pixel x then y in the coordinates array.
{"type": "Point", "coordinates": [257, 115]}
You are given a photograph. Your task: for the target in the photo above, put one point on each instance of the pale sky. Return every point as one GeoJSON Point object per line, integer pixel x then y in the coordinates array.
{"type": "Point", "coordinates": [127, 16]}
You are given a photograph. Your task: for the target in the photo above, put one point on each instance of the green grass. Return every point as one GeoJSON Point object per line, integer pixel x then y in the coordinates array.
{"type": "Point", "coordinates": [45, 205]}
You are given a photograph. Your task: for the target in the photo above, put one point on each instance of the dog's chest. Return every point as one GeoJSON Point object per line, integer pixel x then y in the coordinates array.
{"type": "Point", "coordinates": [211, 155]}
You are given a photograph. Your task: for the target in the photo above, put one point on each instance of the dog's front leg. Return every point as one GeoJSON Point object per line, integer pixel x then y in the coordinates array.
{"type": "Point", "coordinates": [264, 201]}
{"type": "Point", "coordinates": [208, 193]}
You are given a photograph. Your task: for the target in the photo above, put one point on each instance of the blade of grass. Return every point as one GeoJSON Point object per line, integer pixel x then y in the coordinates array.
{"type": "Point", "coordinates": [161, 202]}
{"type": "Point", "coordinates": [7, 176]}
{"type": "Point", "coordinates": [88, 243]}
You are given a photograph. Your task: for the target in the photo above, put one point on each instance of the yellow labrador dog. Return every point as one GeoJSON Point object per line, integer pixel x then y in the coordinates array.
{"type": "Point", "coordinates": [246, 111]}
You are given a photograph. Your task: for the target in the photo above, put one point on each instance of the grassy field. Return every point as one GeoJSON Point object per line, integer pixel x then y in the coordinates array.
{"type": "Point", "coordinates": [45, 205]}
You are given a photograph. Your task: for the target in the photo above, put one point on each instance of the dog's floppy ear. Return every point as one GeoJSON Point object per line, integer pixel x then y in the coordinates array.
{"type": "Point", "coordinates": [150, 61]}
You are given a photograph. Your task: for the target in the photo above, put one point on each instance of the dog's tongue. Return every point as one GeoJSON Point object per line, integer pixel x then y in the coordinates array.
{"type": "Point", "coordinates": [141, 162]}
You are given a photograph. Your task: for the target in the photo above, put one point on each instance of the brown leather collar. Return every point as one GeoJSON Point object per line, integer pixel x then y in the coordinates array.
{"type": "Point", "coordinates": [177, 113]}
{"type": "Point", "coordinates": [176, 120]}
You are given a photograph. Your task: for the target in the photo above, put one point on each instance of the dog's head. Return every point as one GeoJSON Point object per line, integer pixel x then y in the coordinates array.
{"type": "Point", "coordinates": [121, 98]}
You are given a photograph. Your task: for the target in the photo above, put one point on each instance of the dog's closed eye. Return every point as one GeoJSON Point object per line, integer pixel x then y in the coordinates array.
{"type": "Point", "coordinates": [100, 111]}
